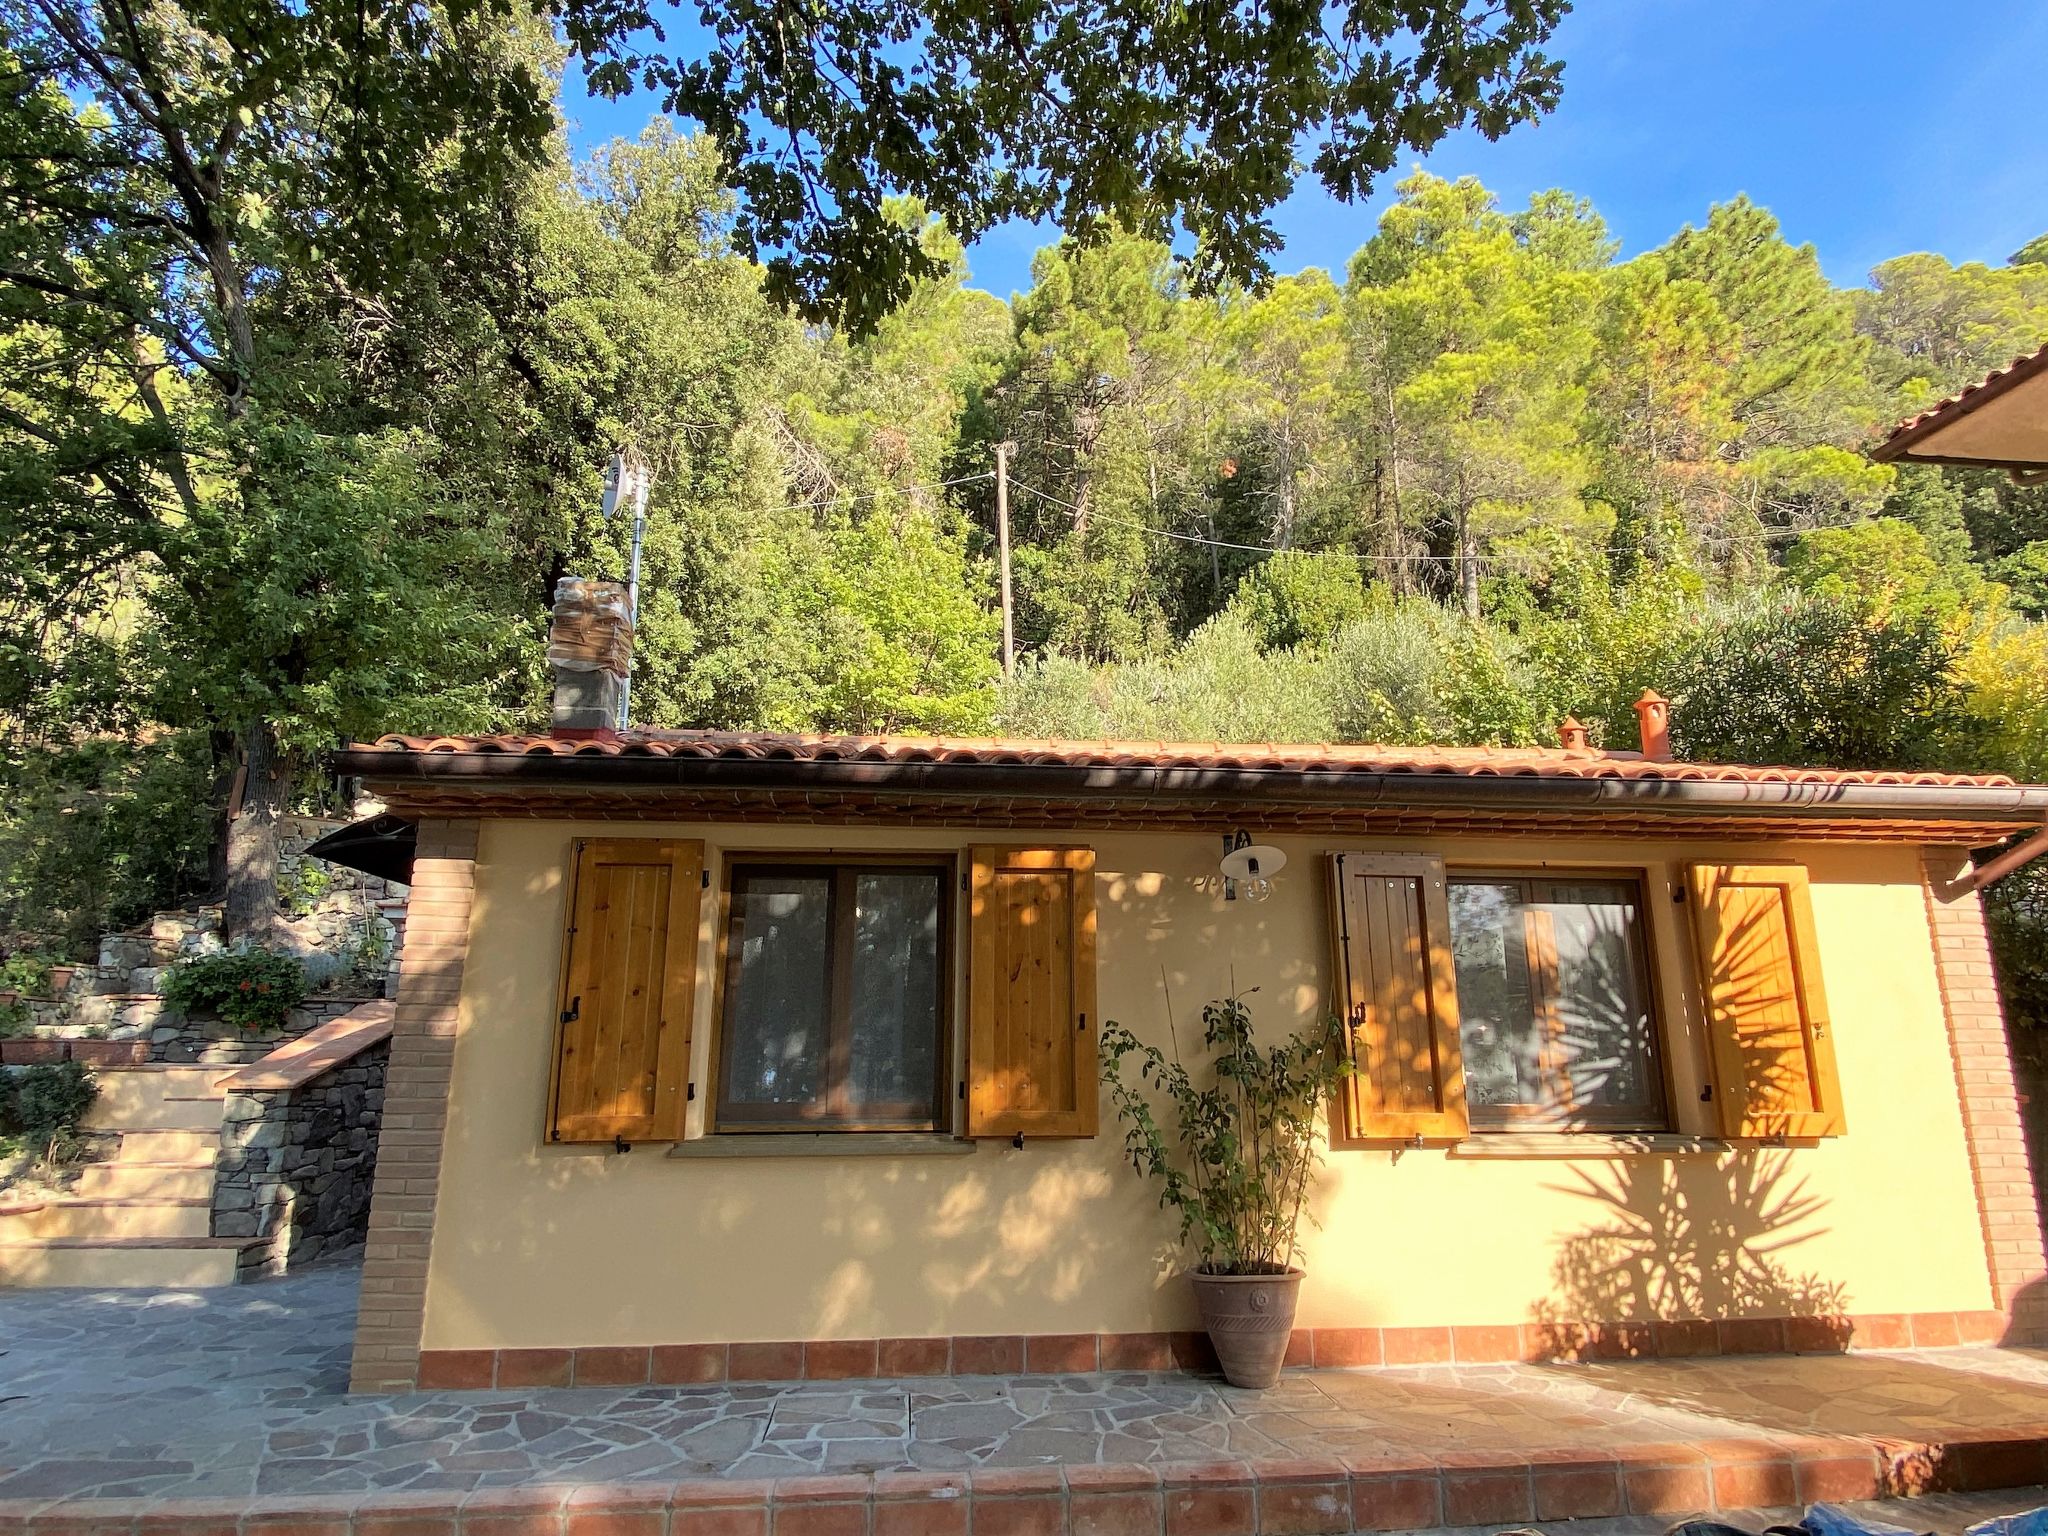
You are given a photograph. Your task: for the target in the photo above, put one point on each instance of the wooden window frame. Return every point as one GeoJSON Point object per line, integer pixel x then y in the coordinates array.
{"type": "Point", "coordinates": [727, 1118]}
{"type": "Point", "coordinates": [1518, 1119]}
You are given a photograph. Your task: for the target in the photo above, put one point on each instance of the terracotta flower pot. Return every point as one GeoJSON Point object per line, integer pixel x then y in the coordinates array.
{"type": "Point", "coordinates": [1249, 1319]}
{"type": "Point", "coordinates": [60, 979]}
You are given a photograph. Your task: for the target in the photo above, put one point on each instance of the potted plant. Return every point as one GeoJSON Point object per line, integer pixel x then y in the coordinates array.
{"type": "Point", "coordinates": [1244, 1144]}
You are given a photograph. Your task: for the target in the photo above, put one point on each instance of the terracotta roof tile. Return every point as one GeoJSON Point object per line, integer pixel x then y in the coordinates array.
{"type": "Point", "coordinates": [1472, 762]}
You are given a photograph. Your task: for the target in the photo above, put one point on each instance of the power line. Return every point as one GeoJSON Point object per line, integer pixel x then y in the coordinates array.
{"type": "Point", "coordinates": [847, 501]}
{"type": "Point", "coordinates": [1762, 536]}
{"type": "Point", "coordinates": [1195, 538]}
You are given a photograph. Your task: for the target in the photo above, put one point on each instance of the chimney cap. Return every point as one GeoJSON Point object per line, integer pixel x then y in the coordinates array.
{"type": "Point", "coordinates": [1572, 734]}
{"type": "Point", "coordinates": [1653, 724]}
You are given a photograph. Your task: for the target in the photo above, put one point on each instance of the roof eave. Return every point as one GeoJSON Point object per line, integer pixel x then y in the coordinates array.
{"type": "Point", "coordinates": [484, 773]}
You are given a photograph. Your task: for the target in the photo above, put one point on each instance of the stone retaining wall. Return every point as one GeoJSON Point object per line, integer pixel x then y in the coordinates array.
{"type": "Point", "coordinates": [177, 1038]}
{"type": "Point", "coordinates": [296, 1165]}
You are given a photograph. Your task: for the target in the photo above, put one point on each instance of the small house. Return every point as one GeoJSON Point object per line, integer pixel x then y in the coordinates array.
{"type": "Point", "coordinates": [730, 1056]}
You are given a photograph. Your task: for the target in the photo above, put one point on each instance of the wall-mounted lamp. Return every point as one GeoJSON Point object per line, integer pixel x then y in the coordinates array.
{"type": "Point", "coordinates": [1249, 865]}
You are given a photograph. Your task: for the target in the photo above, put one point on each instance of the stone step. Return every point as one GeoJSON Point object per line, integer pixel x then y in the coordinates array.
{"type": "Point", "coordinates": [68, 1216]}
{"type": "Point", "coordinates": [103, 1263]}
{"type": "Point", "coordinates": [156, 1097]}
{"type": "Point", "coordinates": [141, 1181]}
{"type": "Point", "coordinates": [161, 1146]}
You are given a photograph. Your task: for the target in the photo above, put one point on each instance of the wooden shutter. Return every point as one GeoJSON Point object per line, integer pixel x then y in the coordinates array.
{"type": "Point", "coordinates": [1399, 995]}
{"type": "Point", "coordinates": [1031, 1022]}
{"type": "Point", "coordinates": [1767, 1015]}
{"type": "Point", "coordinates": [622, 1043]}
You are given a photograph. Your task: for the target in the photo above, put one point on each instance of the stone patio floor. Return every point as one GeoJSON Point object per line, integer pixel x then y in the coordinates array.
{"type": "Point", "coordinates": [241, 1391]}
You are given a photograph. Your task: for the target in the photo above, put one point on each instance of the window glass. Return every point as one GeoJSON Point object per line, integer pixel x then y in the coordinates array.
{"type": "Point", "coordinates": [895, 1003]}
{"type": "Point", "coordinates": [776, 1023]}
{"type": "Point", "coordinates": [833, 1004]}
{"type": "Point", "coordinates": [1553, 1003]}
{"type": "Point", "coordinates": [1502, 1047]}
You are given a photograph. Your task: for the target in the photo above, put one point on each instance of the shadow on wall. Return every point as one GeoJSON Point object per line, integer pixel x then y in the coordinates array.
{"type": "Point", "coordinates": [1685, 1240]}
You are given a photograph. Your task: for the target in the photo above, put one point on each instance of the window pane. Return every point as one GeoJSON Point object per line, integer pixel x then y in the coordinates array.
{"type": "Point", "coordinates": [776, 1019]}
{"type": "Point", "coordinates": [895, 1003]}
{"type": "Point", "coordinates": [1497, 1024]}
{"type": "Point", "coordinates": [1553, 1017]}
{"type": "Point", "coordinates": [1604, 1020]}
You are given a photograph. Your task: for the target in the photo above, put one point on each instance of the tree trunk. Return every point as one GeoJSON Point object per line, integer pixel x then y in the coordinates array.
{"type": "Point", "coordinates": [1468, 564]}
{"type": "Point", "coordinates": [250, 902]}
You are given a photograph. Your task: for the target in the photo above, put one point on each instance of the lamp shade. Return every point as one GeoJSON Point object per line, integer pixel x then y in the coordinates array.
{"type": "Point", "coordinates": [1254, 861]}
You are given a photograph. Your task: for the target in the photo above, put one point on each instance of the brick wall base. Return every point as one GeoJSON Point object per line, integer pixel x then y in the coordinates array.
{"type": "Point", "coordinates": [1065, 1353]}
{"type": "Point", "coordinates": [1999, 1166]}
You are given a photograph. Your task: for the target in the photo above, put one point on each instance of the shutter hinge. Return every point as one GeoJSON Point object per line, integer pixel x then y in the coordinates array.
{"type": "Point", "coordinates": [1082, 1023]}
{"type": "Point", "coordinates": [692, 1094]}
{"type": "Point", "coordinates": [1707, 1094]}
{"type": "Point", "coordinates": [574, 1011]}
{"type": "Point", "coordinates": [704, 879]}
{"type": "Point", "coordinates": [963, 1087]}
{"type": "Point", "coordinates": [620, 1144]}
{"type": "Point", "coordinates": [963, 879]}
{"type": "Point", "coordinates": [1678, 894]}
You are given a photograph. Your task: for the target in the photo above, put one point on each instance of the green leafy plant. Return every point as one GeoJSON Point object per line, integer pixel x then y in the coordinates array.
{"type": "Point", "coordinates": [25, 972]}
{"type": "Point", "coordinates": [252, 988]}
{"type": "Point", "coordinates": [301, 886]}
{"type": "Point", "coordinates": [1246, 1143]}
{"type": "Point", "coordinates": [42, 1108]}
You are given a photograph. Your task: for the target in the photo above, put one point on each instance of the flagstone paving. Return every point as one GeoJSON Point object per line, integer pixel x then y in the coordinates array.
{"type": "Point", "coordinates": [242, 1391]}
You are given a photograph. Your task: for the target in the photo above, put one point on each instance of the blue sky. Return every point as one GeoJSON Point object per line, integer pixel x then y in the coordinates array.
{"type": "Point", "coordinates": [1870, 127]}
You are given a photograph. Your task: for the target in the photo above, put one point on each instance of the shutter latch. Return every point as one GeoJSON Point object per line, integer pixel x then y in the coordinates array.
{"type": "Point", "coordinates": [620, 1144]}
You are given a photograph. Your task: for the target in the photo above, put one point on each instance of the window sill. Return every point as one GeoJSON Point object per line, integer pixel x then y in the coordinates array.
{"type": "Point", "coordinates": [826, 1144]}
{"type": "Point", "coordinates": [1587, 1144]}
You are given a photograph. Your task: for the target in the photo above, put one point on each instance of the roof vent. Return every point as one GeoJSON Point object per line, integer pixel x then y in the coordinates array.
{"type": "Point", "coordinates": [1571, 735]}
{"type": "Point", "coordinates": [1653, 721]}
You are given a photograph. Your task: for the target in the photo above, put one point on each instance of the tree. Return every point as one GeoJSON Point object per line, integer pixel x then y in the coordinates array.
{"type": "Point", "coordinates": [190, 164]}
{"type": "Point", "coordinates": [1486, 355]}
{"type": "Point", "coordinates": [1939, 327]}
{"type": "Point", "coordinates": [1091, 114]}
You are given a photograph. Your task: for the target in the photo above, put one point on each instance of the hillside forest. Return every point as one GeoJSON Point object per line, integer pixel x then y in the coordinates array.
{"type": "Point", "coordinates": [1490, 474]}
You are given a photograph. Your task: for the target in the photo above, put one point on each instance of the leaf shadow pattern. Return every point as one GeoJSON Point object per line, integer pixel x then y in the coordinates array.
{"type": "Point", "coordinates": [1688, 1244]}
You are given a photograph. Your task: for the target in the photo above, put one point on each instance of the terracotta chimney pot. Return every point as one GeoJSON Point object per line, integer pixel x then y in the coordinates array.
{"type": "Point", "coordinates": [590, 648]}
{"type": "Point", "coordinates": [1653, 722]}
{"type": "Point", "coordinates": [1571, 735]}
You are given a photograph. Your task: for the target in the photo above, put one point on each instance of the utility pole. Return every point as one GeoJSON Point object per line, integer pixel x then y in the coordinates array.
{"type": "Point", "coordinates": [1003, 451]}
{"type": "Point", "coordinates": [628, 480]}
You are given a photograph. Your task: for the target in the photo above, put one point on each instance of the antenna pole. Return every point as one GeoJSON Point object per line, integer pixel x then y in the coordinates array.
{"type": "Point", "coordinates": [1003, 451]}
{"type": "Point", "coordinates": [634, 481]}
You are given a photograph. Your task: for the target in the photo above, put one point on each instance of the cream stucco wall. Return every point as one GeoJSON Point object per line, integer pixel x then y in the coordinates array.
{"type": "Point", "coordinates": [540, 1245]}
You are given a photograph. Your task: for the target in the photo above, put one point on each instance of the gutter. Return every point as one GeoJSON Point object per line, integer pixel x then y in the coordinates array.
{"type": "Point", "coordinates": [1356, 788]}
{"type": "Point", "coordinates": [2000, 865]}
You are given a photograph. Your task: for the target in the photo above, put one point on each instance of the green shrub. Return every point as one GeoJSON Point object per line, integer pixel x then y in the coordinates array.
{"type": "Point", "coordinates": [252, 988]}
{"type": "Point", "coordinates": [42, 1107]}
{"type": "Point", "coordinates": [26, 972]}
{"type": "Point", "coordinates": [1297, 598]}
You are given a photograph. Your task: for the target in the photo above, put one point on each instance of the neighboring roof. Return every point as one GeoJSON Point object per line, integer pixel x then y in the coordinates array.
{"type": "Point", "coordinates": [972, 780]}
{"type": "Point", "coordinates": [2001, 423]}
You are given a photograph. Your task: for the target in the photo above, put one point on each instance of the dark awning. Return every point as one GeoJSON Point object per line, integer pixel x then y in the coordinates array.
{"type": "Point", "coordinates": [382, 846]}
